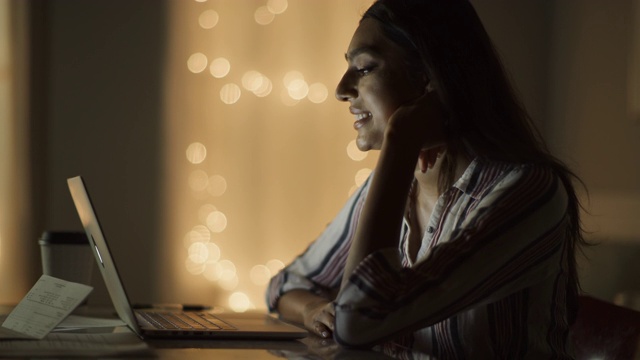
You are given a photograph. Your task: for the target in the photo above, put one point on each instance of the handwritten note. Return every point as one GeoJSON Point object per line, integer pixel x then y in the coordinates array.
{"type": "Point", "coordinates": [45, 306]}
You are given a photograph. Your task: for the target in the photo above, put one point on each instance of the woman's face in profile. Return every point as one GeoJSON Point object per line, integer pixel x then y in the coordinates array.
{"type": "Point", "coordinates": [375, 84]}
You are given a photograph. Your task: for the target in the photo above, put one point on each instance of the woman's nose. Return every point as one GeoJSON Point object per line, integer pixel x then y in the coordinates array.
{"type": "Point", "coordinates": [346, 89]}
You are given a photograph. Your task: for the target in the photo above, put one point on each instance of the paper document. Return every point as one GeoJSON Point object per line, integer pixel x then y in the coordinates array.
{"type": "Point", "coordinates": [45, 306]}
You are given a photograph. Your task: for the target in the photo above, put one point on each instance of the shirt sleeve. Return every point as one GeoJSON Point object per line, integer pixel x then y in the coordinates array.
{"type": "Point", "coordinates": [320, 268]}
{"type": "Point", "coordinates": [511, 240]}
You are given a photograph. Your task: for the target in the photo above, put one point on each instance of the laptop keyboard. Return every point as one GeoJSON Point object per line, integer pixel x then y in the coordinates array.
{"type": "Point", "coordinates": [184, 321]}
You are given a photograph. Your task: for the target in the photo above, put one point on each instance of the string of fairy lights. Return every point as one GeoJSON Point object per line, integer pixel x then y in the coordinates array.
{"type": "Point", "coordinates": [205, 257]}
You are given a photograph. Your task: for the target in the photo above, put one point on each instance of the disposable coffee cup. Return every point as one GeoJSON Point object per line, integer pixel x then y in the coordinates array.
{"type": "Point", "coordinates": [66, 255]}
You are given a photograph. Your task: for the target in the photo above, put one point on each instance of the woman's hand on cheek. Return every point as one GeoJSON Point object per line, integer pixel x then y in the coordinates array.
{"type": "Point", "coordinates": [419, 124]}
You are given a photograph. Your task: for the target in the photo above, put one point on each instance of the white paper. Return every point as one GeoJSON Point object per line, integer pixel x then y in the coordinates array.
{"type": "Point", "coordinates": [45, 306]}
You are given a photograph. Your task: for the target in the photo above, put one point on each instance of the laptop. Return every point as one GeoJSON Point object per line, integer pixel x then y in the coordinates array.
{"type": "Point", "coordinates": [170, 324]}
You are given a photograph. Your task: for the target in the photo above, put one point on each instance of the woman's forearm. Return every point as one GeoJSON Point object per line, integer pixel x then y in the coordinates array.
{"type": "Point", "coordinates": [381, 219]}
{"type": "Point", "coordinates": [293, 304]}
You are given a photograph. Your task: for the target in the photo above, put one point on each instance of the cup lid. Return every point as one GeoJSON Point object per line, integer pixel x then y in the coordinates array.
{"type": "Point", "coordinates": [63, 237]}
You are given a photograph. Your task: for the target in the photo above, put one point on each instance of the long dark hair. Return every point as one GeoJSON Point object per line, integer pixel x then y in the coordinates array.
{"type": "Point", "coordinates": [446, 42]}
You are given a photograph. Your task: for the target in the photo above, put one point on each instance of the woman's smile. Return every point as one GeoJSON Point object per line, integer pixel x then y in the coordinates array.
{"type": "Point", "coordinates": [361, 119]}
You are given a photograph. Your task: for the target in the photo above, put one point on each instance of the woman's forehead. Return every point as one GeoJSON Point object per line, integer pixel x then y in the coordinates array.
{"type": "Point", "coordinates": [369, 38]}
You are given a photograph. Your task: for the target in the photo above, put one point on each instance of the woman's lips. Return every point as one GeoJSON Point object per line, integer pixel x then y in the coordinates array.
{"type": "Point", "coordinates": [361, 119]}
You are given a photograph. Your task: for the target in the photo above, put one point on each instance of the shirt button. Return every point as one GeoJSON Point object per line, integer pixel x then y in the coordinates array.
{"type": "Point", "coordinates": [430, 229]}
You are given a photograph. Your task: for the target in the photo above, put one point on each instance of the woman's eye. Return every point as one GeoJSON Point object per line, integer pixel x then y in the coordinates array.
{"type": "Point", "coordinates": [365, 70]}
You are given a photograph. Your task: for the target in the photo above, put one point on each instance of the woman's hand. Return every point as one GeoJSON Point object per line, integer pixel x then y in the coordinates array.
{"type": "Point", "coordinates": [319, 318]}
{"type": "Point", "coordinates": [419, 124]}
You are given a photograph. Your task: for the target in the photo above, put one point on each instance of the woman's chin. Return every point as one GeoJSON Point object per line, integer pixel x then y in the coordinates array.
{"type": "Point", "coordinates": [366, 144]}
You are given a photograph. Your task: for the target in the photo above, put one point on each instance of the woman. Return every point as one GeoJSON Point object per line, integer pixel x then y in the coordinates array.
{"type": "Point", "coordinates": [462, 243]}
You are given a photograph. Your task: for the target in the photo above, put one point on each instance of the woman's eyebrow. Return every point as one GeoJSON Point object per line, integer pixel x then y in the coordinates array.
{"type": "Point", "coordinates": [361, 50]}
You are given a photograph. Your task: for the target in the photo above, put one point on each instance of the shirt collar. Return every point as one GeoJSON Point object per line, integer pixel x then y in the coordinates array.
{"type": "Point", "coordinates": [469, 179]}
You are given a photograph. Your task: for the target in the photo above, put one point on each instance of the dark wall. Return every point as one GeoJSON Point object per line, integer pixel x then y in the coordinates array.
{"type": "Point", "coordinates": [100, 116]}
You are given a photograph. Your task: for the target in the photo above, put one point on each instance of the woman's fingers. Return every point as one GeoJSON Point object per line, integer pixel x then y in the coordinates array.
{"type": "Point", "coordinates": [321, 320]}
{"type": "Point", "coordinates": [322, 330]}
{"type": "Point", "coordinates": [428, 157]}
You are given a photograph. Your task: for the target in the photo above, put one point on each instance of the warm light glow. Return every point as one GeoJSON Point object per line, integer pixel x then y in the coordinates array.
{"type": "Point", "coordinates": [352, 190]}
{"type": "Point", "coordinates": [239, 302]}
{"type": "Point", "coordinates": [277, 6]}
{"type": "Point", "coordinates": [194, 268]}
{"type": "Point", "coordinates": [199, 233]}
{"type": "Point", "coordinates": [290, 76]}
{"type": "Point", "coordinates": [208, 19]}
{"type": "Point", "coordinates": [265, 88]}
{"type": "Point", "coordinates": [196, 153]}
{"type": "Point", "coordinates": [197, 63]}
{"type": "Point", "coordinates": [213, 253]}
{"type": "Point", "coordinates": [228, 277]}
{"type": "Point", "coordinates": [212, 271]}
{"type": "Point", "coordinates": [198, 180]}
{"type": "Point", "coordinates": [287, 100]}
{"type": "Point", "coordinates": [220, 67]}
{"type": "Point", "coordinates": [274, 266]}
{"type": "Point", "coordinates": [260, 275]}
{"type": "Point", "coordinates": [227, 282]}
{"type": "Point", "coordinates": [198, 253]}
{"type": "Point", "coordinates": [257, 83]}
{"type": "Point", "coordinates": [215, 208]}
{"type": "Point", "coordinates": [217, 221]}
{"type": "Point", "coordinates": [354, 153]}
{"type": "Point", "coordinates": [362, 175]}
{"type": "Point", "coordinates": [298, 89]}
{"type": "Point", "coordinates": [252, 80]}
{"type": "Point", "coordinates": [318, 93]}
{"type": "Point", "coordinates": [263, 16]}
{"type": "Point", "coordinates": [230, 93]}
{"type": "Point", "coordinates": [217, 185]}
{"type": "Point", "coordinates": [204, 211]}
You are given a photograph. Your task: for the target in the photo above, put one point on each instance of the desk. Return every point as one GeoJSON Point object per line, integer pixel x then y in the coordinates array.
{"type": "Point", "coordinates": [308, 348]}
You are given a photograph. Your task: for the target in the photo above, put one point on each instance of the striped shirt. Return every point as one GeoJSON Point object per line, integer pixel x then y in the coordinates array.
{"type": "Point", "coordinates": [490, 279]}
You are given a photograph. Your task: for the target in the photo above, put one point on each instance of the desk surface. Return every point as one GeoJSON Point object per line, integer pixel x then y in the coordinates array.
{"type": "Point", "coordinates": [308, 348]}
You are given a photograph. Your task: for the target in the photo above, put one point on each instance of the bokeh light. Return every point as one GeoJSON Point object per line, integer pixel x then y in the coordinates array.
{"type": "Point", "coordinates": [318, 93]}
{"type": "Point", "coordinates": [198, 180]}
{"type": "Point", "coordinates": [298, 89]}
{"type": "Point", "coordinates": [291, 76]}
{"type": "Point", "coordinates": [274, 266]}
{"type": "Point", "coordinates": [260, 275]}
{"type": "Point", "coordinates": [277, 6]}
{"type": "Point", "coordinates": [286, 99]}
{"type": "Point", "coordinates": [212, 271]}
{"type": "Point", "coordinates": [230, 93]}
{"type": "Point", "coordinates": [196, 153]}
{"type": "Point", "coordinates": [194, 268]}
{"type": "Point", "coordinates": [239, 302]}
{"type": "Point", "coordinates": [208, 19]}
{"type": "Point", "coordinates": [217, 221]}
{"type": "Point", "coordinates": [213, 253]}
{"type": "Point", "coordinates": [220, 67]}
{"type": "Point", "coordinates": [263, 16]}
{"type": "Point", "coordinates": [199, 233]}
{"type": "Point", "coordinates": [197, 63]}
{"type": "Point", "coordinates": [362, 175]}
{"type": "Point", "coordinates": [198, 253]}
{"type": "Point", "coordinates": [217, 185]}
{"type": "Point", "coordinates": [354, 153]}
{"type": "Point", "coordinates": [204, 211]}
